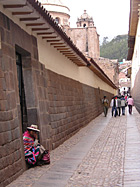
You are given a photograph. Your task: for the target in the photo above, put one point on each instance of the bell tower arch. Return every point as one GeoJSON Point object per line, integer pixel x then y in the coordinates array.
{"type": "Point", "coordinates": [85, 20]}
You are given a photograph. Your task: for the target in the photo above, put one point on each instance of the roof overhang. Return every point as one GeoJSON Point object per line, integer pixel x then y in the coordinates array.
{"type": "Point", "coordinates": [133, 22]}
{"type": "Point", "coordinates": [39, 22]}
{"type": "Point", "coordinates": [100, 73]}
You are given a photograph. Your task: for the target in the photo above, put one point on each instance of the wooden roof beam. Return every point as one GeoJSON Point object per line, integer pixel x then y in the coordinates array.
{"type": "Point", "coordinates": [67, 53]}
{"type": "Point", "coordinates": [72, 56]}
{"type": "Point", "coordinates": [44, 33]}
{"type": "Point", "coordinates": [29, 19]}
{"type": "Point", "coordinates": [14, 6]}
{"type": "Point", "coordinates": [63, 49]}
{"type": "Point", "coordinates": [40, 29]}
{"type": "Point", "coordinates": [34, 24]}
{"type": "Point", "coordinates": [57, 44]}
{"type": "Point", "coordinates": [49, 37]}
{"type": "Point", "coordinates": [53, 40]}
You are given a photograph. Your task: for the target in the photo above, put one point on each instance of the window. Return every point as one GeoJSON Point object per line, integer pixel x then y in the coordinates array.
{"type": "Point", "coordinates": [84, 25]}
{"type": "Point", "coordinates": [57, 20]}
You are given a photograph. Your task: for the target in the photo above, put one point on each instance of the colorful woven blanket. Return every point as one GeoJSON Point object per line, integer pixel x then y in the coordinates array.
{"type": "Point", "coordinates": [31, 151]}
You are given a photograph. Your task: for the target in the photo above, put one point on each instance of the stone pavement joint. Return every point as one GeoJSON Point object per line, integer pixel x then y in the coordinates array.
{"type": "Point", "coordinates": [105, 153]}
{"type": "Point", "coordinates": [104, 162]}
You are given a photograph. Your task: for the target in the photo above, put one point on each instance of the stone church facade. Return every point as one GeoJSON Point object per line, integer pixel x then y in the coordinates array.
{"type": "Point", "coordinates": [84, 36]}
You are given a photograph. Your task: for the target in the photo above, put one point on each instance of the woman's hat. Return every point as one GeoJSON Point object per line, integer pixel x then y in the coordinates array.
{"type": "Point", "coordinates": [33, 128]}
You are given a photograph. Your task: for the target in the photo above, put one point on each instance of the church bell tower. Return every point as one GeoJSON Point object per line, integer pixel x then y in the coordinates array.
{"type": "Point", "coordinates": [85, 20]}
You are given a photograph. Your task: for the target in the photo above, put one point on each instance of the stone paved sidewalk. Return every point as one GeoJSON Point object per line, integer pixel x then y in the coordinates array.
{"type": "Point", "coordinates": [98, 155]}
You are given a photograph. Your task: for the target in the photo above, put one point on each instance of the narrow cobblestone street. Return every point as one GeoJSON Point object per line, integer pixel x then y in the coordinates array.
{"type": "Point", "coordinates": [105, 153]}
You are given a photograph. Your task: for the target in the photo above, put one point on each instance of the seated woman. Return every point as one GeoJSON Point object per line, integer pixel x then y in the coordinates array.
{"type": "Point", "coordinates": [35, 154]}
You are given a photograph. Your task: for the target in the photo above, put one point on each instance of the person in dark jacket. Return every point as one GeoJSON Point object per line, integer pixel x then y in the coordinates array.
{"type": "Point", "coordinates": [123, 105]}
{"type": "Point", "coordinates": [119, 105]}
{"type": "Point", "coordinates": [114, 105]}
{"type": "Point", "coordinates": [105, 103]}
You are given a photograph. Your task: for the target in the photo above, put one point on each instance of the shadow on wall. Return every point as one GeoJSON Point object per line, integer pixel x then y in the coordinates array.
{"type": "Point", "coordinates": [136, 91]}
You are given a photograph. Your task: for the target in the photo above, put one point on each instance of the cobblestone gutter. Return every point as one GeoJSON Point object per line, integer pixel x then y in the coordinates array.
{"type": "Point", "coordinates": [103, 165]}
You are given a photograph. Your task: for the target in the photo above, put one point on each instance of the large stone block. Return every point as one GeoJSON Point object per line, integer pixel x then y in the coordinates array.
{"type": "Point", "coordinates": [15, 123]}
{"type": "Point", "coordinates": [12, 84]}
{"type": "Point", "coordinates": [44, 119]}
{"type": "Point", "coordinates": [2, 20]}
{"type": "Point", "coordinates": [6, 116]}
{"type": "Point", "coordinates": [42, 106]}
{"type": "Point", "coordinates": [8, 37]}
{"type": "Point", "coordinates": [2, 84]}
{"type": "Point", "coordinates": [2, 141]}
{"type": "Point", "coordinates": [41, 93]}
{"type": "Point", "coordinates": [7, 136]}
{"type": "Point", "coordinates": [15, 133]}
{"type": "Point", "coordinates": [17, 144]}
{"type": "Point", "coordinates": [3, 151]}
{"type": "Point", "coordinates": [29, 89]}
{"type": "Point", "coordinates": [26, 62]}
{"type": "Point", "coordinates": [2, 176]}
{"type": "Point", "coordinates": [18, 165]}
{"type": "Point", "coordinates": [32, 116]}
{"type": "Point", "coordinates": [35, 52]}
{"type": "Point", "coordinates": [17, 155]}
{"type": "Point", "coordinates": [11, 100]}
{"type": "Point", "coordinates": [35, 64]}
{"type": "Point", "coordinates": [8, 50]}
{"type": "Point", "coordinates": [10, 159]}
{"type": "Point", "coordinates": [3, 105]}
{"type": "Point", "coordinates": [1, 74]}
{"type": "Point", "coordinates": [1, 163]}
{"type": "Point", "coordinates": [34, 41]}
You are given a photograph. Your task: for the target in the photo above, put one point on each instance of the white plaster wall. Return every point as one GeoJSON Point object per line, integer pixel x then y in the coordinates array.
{"type": "Point", "coordinates": [88, 77]}
{"type": "Point", "coordinates": [136, 56]}
{"type": "Point", "coordinates": [56, 62]}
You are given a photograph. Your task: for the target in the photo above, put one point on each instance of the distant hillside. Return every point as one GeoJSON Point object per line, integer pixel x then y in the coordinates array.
{"type": "Point", "coordinates": [116, 48]}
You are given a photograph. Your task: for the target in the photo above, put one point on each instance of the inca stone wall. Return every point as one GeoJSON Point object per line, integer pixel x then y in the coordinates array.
{"type": "Point", "coordinates": [11, 151]}
{"type": "Point", "coordinates": [65, 107]}
{"type": "Point", "coordinates": [14, 39]}
{"type": "Point", "coordinates": [59, 105]}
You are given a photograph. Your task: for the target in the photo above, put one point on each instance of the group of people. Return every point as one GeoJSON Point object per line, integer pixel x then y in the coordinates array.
{"type": "Point", "coordinates": [118, 103]}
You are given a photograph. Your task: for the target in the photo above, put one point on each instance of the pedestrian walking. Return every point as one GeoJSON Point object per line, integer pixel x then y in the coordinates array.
{"type": "Point", "coordinates": [114, 105]}
{"type": "Point", "coordinates": [130, 102]}
{"type": "Point", "coordinates": [123, 105]}
{"type": "Point", "coordinates": [105, 103]}
{"type": "Point", "coordinates": [119, 105]}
